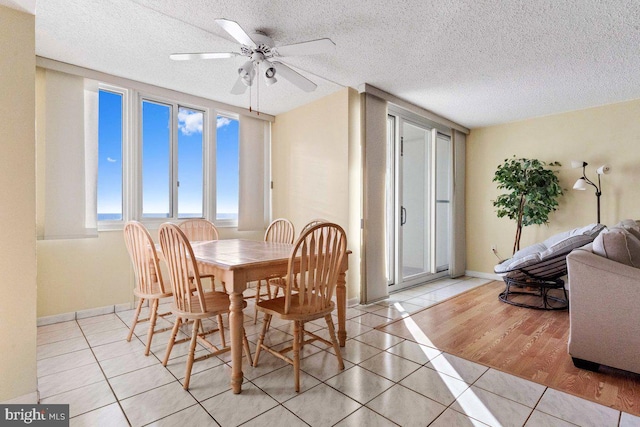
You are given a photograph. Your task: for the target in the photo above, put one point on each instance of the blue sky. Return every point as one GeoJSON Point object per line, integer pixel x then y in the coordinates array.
{"type": "Point", "coordinates": [156, 134]}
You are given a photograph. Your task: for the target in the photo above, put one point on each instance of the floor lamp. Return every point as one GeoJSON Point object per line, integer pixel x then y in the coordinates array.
{"type": "Point", "coordinates": [583, 182]}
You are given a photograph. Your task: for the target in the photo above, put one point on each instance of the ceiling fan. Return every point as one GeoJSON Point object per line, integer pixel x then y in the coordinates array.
{"type": "Point", "coordinates": [262, 53]}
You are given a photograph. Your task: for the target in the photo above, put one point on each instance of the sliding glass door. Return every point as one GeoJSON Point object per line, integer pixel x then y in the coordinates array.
{"type": "Point", "coordinates": [418, 195]}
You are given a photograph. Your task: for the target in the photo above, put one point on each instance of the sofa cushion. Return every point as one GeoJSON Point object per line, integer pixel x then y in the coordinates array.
{"type": "Point", "coordinates": [558, 244]}
{"type": "Point", "coordinates": [618, 244]}
{"type": "Point", "coordinates": [631, 226]}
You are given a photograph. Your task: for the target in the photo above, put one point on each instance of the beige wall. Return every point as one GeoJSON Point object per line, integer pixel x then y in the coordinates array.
{"type": "Point", "coordinates": [310, 167]}
{"type": "Point", "coordinates": [608, 134]}
{"type": "Point", "coordinates": [17, 211]}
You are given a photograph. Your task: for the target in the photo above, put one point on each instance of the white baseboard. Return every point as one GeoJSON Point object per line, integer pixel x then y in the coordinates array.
{"type": "Point", "coordinates": [482, 275]}
{"type": "Point", "coordinates": [352, 302]}
{"type": "Point", "coordinates": [27, 399]}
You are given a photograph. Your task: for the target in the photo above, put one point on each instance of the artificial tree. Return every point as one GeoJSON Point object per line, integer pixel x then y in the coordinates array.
{"type": "Point", "coordinates": [532, 192]}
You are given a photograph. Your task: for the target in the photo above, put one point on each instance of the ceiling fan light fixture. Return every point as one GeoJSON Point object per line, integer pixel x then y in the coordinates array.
{"type": "Point", "coordinates": [247, 72]}
{"type": "Point", "coordinates": [270, 76]}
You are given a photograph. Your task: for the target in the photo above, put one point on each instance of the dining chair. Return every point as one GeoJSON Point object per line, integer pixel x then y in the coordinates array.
{"type": "Point", "coordinates": [280, 231]}
{"type": "Point", "coordinates": [197, 230]}
{"type": "Point", "coordinates": [316, 258]}
{"type": "Point", "coordinates": [149, 285]}
{"type": "Point", "coordinates": [311, 224]}
{"type": "Point", "coordinates": [191, 304]}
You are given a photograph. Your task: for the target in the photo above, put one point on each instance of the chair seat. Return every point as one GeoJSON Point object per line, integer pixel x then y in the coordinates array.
{"type": "Point", "coordinates": [216, 302]}
{"type": "Point", "coordinates": [296, 312]}
{"type": "Point", "coordinates": [155, 292]}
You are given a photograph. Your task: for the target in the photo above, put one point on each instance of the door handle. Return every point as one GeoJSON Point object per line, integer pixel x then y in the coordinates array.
{"type": "Point", "coordinates": [403, 216]}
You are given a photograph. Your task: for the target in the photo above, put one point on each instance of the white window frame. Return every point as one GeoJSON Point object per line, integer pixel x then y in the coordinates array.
{"type": "Point", "coordinates": [132, 157]}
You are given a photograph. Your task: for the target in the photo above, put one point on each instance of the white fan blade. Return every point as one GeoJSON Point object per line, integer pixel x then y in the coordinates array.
{"type": "Point", "coordinates": [236, 31]}
{"type": "Point", "coordinates": [239, 88]}
{"type": "Point", "coordinates": [203, 55]}
{"type": "Point", "coordinates": [311, 47]}
{"type": "Point", "coordinates": [294, 77]}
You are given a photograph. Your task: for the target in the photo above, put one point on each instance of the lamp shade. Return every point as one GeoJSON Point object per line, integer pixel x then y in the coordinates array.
{"type": "Point", "coordinates": [578, 164]}
{"type": "Point", "coordinates": [580, 184]}
{"type": "Point", "coordinates": [603, 170]}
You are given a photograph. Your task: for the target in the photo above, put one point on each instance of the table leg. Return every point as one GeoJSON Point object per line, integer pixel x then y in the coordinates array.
{"type": "Point", "coordinates": [236, 320]}
{"type": "Point", "coordinates": [341, 294]}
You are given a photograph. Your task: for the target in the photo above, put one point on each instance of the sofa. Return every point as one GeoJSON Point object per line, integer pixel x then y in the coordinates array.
{"type": "Point", "coordinates": [604, 283]}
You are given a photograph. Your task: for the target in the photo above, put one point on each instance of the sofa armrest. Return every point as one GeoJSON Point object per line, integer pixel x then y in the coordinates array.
{"type": "Point", "coordinates": [604, 310]}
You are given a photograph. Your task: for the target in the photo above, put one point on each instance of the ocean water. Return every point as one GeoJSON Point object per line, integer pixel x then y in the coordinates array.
{"type": "Point", "coordinates": [118, 216]}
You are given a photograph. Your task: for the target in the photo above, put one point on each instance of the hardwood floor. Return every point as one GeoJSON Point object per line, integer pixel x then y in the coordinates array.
{"type": "Point", "coordinates": [531, 344]}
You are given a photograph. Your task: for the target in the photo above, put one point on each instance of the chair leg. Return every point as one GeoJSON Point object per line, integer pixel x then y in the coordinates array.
{"type": "Point", "coordinates": [191, 356]}
{"type": "Point", "coordinates": [257, 300]}
{"type": "Point", "coordinates": [265, 326]}
{"type": "Point", "coordinates": [247, 350]}
{"type": "Point", "coordinates": [296, 354]}
{"type": "Point", "coordinates": [172, 339]}
{"type": "Point", "coordinates": [336, 346]}
{"type": "Point", "coordinates": [152, 324]}
{"type": "Point", "coordinates": [221, 328]}
{"type": "Point", "coordinates": [135, 318]}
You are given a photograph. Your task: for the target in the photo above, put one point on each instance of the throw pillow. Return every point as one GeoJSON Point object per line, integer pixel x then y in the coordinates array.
{"type": "Point", "coordinates": [618, 244]}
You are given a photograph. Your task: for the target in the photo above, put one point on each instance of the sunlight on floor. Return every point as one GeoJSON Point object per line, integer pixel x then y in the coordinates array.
{"type": "Point", "coordinates": [441, 363]}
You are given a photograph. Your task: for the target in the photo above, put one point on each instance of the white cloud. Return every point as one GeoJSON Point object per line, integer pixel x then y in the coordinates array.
{"type": "Point", "coordinates": [189, 122]}
{"type": "Point", "coordinates": [110, 160]}
{"type": "Point", "coordinates": [222, 121]}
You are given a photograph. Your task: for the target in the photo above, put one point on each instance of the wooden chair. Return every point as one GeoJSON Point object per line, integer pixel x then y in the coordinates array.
{"type": "Point", "coordinates": [191, 304]}
{"type": "Point", "coordinates": [280, 231]}
{"type": "Point", "coordinates": [197, 230]}
{"type": "Point", "coordinates": [312, 223]}
{"type": "Point", "coordinates": [149, 284]}
{"type": "Point", "coordinates": [316, 258]}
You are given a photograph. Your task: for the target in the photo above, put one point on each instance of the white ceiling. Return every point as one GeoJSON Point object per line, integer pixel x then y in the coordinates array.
{"type": "Point", "coordinates": [476, 62]}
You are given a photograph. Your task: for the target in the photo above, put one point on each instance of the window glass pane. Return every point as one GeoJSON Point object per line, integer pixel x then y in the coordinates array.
{"type": "Point", "coordinates": [109, 156]}
{"type": "Point", "coordinates": [190, 178]}
{"type": "Point", "coordinates": [156, 154]}
{"type": "Point", "coordinates": [227, 171]}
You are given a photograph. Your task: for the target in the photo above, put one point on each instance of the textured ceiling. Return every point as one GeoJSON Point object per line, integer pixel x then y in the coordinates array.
{"type": "Point", "coordinates": [476, 62]}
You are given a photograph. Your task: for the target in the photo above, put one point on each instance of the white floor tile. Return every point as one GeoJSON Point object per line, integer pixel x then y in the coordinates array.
{"type": "Point", "coordinates": [406, 407]}
{"type": "Point", "coordinates": [451, 418]}
{"type": "Point", "coordinates": [69, 380]}
{"type": "Point", "coordinates": [321, 406]}
{"type": "Point", "coordinates": [540, 419]}
{"type": "Point", "coordinates": [229, 409]}
{"type": "Point", "coordinates": [108, 416]}
{"type": "Point", "coordinates": [576, 410]}
{"type": "Point", "coordinates": [390, 366]}
{"type": "Point", "coordinates": [278, 416]}
{"type": "Point", "coordinates": [279, 384]}
{"type": "Point", "coordinates": [84, 399]}
{"type": "Point", "coordinates": [491, 409]}
{"type": "Point", "coordinates": [60, 347]}
{"type": "Point", "coordinates": [379, 339]}
{"type": "Point", "coordinates": [435, 385]}
{"type": "Point", "coordinates": [193, 416]}
{"type": "Point", "coordinates": [522, 391]}
{"type": "Point", "coordinates": [155, 404]}
{"type": "Point", "coordinates": [365, 417]}
{"type": "Point", "coordinates": [211, 382]}
{"type": "Point", "coordinates": [628, 420]}
{"type": "Point", "coordinates": [457, 367]}
{"type": "Point", "coordinates": [322, 365]}
{"type": "Point", "coordinates": [141, 380]}
{"type": "Point", "coordinates": [359, 384]}
{"type": "Point", "coordinates": [415, 352]}
{"type": "Point", "coordinates": [64, 362]}
{"type": "Point", "coordinates": [127, 363]}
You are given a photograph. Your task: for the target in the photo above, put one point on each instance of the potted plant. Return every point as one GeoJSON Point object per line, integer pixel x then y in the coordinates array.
{"type": "Point", "coordinates": [532, 192]}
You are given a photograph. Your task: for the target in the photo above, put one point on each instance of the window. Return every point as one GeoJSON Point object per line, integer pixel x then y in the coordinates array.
{"type": "Point", "coordinates": [166, 167]}
{"type": "Point", "coordinates": [227, 170]}
{"type": "Point", "coordinates": [110, 130]}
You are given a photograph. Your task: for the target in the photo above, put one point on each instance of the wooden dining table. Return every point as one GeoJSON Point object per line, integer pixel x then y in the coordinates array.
{"type": "Point", "coordinates": [236, 262]}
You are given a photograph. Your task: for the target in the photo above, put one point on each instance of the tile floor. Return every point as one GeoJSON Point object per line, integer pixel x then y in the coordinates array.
{"type": "Point", "coordinates": [387, 381]}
